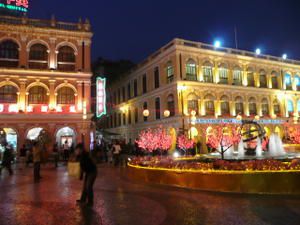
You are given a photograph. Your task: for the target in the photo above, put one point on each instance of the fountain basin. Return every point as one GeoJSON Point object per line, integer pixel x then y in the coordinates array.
{"type": "Point", "coordinates": [258, 182]}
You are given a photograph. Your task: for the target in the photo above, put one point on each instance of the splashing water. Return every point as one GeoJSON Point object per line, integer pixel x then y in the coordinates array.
{"type": "Point", "coordinates": [259, 148]}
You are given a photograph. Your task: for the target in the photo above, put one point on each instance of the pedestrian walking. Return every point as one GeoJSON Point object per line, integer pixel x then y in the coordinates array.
{"type": "Point", "coordinates": [116, 153]}
{"type": "Point", "coordinates": [36, 151]}
{"type": "Point", "coordinates": [89, 173]}
{"type": "Point", "coordinates": [7, 158]}
{"type": "Point", "coordinates": [66, 151]}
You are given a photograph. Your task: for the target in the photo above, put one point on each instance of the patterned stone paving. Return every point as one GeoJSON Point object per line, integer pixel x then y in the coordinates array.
{"type": "Point", "coordinates": [121, 202]}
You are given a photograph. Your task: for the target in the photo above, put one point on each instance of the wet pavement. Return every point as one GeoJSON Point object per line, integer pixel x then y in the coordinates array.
{"type": "Point", "coordinates": [119, 201]}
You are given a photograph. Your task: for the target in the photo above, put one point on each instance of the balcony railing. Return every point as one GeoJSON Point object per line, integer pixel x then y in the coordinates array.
{"type": "Point", "coordinates": [80, 26]}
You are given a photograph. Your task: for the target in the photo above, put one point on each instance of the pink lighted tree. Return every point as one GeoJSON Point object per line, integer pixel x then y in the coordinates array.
{"type": "Point", "coordinates": [222, 136]}
{"type": "Point", "coordinates": [184, 143]}
{"type": "Point", "coordinates": [154, 139]}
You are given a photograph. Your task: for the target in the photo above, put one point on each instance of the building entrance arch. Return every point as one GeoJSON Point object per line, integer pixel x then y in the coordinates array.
{"type": "Point", "coordinates": [65, 135]}
{"type": "Point", "coordinates": [8, 136]}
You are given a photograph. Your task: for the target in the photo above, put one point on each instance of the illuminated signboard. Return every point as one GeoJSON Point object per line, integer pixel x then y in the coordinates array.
{"type": "Point", "coordinates": [101, 97]}
{"type": "Point", "coordinates": [15, 5]}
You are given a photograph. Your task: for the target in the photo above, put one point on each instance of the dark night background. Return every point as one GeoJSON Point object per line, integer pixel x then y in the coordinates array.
{"type": "Point", "coordinates": [134, 29]}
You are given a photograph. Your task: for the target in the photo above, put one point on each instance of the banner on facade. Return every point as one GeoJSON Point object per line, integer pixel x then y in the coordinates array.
{"type": "Point", "coordinates": [101, 97]}
{"type": "Point", "coordinates": [236, 121]}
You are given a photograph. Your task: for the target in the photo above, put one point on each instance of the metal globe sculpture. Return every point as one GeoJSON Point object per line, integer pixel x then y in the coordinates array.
{"type": "Point", "coordinates": [250, 132]}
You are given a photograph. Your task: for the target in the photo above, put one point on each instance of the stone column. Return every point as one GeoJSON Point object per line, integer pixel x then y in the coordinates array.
{"type": "Point", "coordinates": [52, 54]}
{"type": "Point", "coordinates": [78, 66]}
{"type": "Point", "coordinates": [271, 107]}
{"type": "Point", "coordinates": [87, 55]}
{"type": "Point", "coordinates": [216, 78]}
{"type": "Point", "coordinates": [52, 100]}
{"type": "Point", "coordinates": [259, 108]}
{"type": "Point", "coordinates": [87, 95]}
{"type": "Point", "coordinates": [230, 76]}
{"type": "Point", "coordinates": [22, 96]}
{"type": "Point", "coordinates": [217, 107]}
{"type": "Point", "coordinates": [232, 108]}
{"type": "Point", "coordinates": [202, 107]}
{"type": "Point", "coordinates": [79, 96]}
{"type": "Point", "coordinates": [23, 52]}
{"type": "Point", "coordinates": [244, 77]}
{"type": "Point", "coordinates": [246, 108]}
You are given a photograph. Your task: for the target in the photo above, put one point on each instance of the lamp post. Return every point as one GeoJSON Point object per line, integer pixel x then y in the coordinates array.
{"type": "Point", "coordinates": [181, 89]}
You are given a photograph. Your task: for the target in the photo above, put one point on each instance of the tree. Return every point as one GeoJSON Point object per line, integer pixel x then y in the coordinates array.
{"type": "Point", "coordinates": [184, 143]}
{"type": "Point", "coordinates": [154, 139]}
{"type": "Point", "coordinates": [222, 136]}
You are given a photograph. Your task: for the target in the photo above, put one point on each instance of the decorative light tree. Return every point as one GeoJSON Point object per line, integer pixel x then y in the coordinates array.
{"type": "Point", "coordinates": [184, 143]}
{"type": "Point", "coordinates": [151, 140]}
{"type": "Point", "coordinates": [222, 136]}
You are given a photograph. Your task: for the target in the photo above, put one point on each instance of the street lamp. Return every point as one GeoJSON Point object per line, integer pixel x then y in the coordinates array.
{"type": "Point", "coordinates": [258, 51]}
{"type": "Point", "coordinates": [146, 113]}
{"type": "Point", "coordinates": [181, 89]}
{"type": "Point", "coordinates": [217, 44]}
{"type": "Point", "coordinates": [284, 56]}
{"type": "Point", "coordinates": [167, 113]}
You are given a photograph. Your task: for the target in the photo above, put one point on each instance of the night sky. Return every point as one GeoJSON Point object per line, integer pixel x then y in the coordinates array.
{"type": "Point", "coordinates": [134, 29]}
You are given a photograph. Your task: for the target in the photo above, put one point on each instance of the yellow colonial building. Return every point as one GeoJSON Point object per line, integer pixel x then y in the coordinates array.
{"type": "Point", "coordinates": [217, 84]}
{"type": "Point", "coordinates": [45, 73]}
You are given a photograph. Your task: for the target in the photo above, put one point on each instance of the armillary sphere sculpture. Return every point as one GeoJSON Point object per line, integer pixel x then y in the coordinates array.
{"type": "Point", "coordinates": [250, 131]}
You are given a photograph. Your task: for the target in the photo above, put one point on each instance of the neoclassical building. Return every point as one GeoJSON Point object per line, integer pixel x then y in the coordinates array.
{"type": "Point", "coordinates": [214, 83]}
{"type": "Point", "coordinates": [45, 72]}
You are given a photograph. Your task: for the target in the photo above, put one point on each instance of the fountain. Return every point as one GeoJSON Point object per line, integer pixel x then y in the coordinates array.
{"type": "Point", "coordinates": [229, 153]}
{"type": "Point", "coordinates": [241, 149]}
{"type": "Point", "coordinates": [258, 148]}
{"type": "Point", "coordinates": [276, 146]}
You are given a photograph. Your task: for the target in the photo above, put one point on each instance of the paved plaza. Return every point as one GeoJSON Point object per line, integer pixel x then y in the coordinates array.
{"type": "Point", "coordinates": [121, 202]}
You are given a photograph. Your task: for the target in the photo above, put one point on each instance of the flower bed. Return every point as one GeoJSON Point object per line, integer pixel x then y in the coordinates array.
{"type": "Point", "coordinates": [217, 165]}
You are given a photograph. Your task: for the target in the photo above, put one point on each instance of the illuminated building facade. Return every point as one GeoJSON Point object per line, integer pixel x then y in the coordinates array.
{"type": "Point", "coordinates": [45, 73]}
{"type": "Point", "coordinates": [216, 84]}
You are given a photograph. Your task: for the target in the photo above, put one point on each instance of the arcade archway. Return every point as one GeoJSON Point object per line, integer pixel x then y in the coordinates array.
{"type": "Point", "coordinates": [9, 136]}
{"type": "Point", "coordinates": [66, 135]}
{"type": "Point", "coordinates": [33, 133]}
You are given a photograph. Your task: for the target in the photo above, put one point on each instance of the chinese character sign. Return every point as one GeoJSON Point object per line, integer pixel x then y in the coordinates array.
{"type": "Point", "coordinates": [101, 97]}
{"type": "Point", "coordinates": [15, 5]}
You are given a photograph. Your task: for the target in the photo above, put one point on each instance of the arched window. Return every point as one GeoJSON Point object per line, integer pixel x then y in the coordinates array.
{"type": "Point", "coordinates": [193, 103]}
{"type": "Point", "coordinates": [66, 58]}
{"type": "Point", "coordinates": [262, 79]}
{"type": "Point", "coordinates": [252, 106]}
{"type": "Point", "coordinates": [239, 106]}
{"type": "Point", "coordinates": [250, 77]}
{"type": "Point", "coordinates": [171, 104]}
{"type": "Point", "coordinates": [290, 106]}
{"type": "Point", "coordinates": [297, 82]}
{"type": "Point", "coordinates": [209, 105]}
{"type": "Point", "coordinates": [225, 110]}
{"type": "Point", "coordinates": [9, 54]}
{"type": "Point", "coordinates": [38, 57]}
{"type": "Point", "coordinates": [207, 72]}
{"type": "Point", "coordinates": [223, 74]}
{"type": "Point", "coordinates": [237, 76]}
{"type": "Point", "coordinates": [8, 94]}
{"type": "Point", "coordinates": [170, 72]}
{"type": "Point", "coordinates": [265, 107]}
{"type": "Point", "coordinates": [288, 81]}
{"type": "Point", "coordinates": [191, 70]}
{"type": "Point", "coordinates": [276, 107]}
{"type": "Point", "coordinates": [65, 95]}
{"type": "Point", "coordinates": [274, 80]}
{"type": "Point", "coordinates": [38, 95]}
